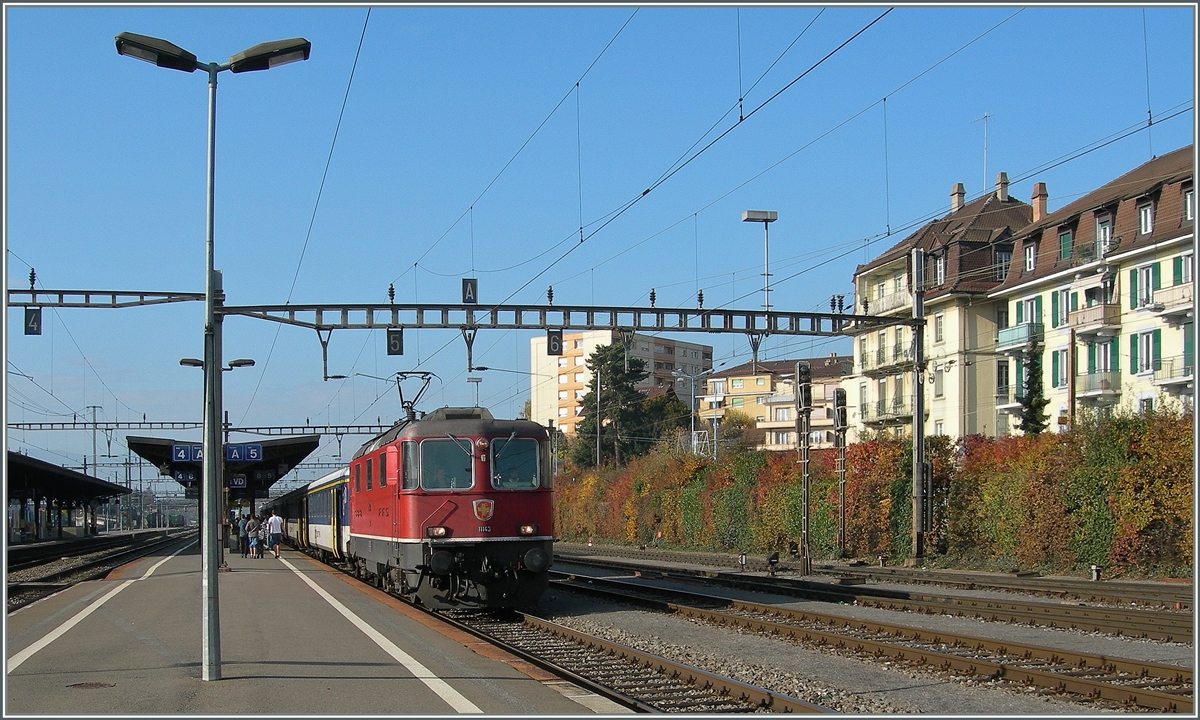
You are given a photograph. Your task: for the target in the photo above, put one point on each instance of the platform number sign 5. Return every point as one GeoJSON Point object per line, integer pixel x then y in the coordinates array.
{"type": "Point", "coordinates": [33, 321]}
{"type": "Point", "coordinates": [395, 341]}
{"type": "Point", "coordinates": [554, 342]}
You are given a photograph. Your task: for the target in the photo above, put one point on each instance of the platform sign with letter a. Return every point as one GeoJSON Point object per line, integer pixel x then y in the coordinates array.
{"type": "Point", "coordinates": [33, 321]}
{"type": "Point", "coordinates": [395, 341]}
{"type": "Point", "coordinates": [470, 287]}
{"type": "Point", "coordinates": [243, 452]}
{"type": "Point", "coordinates": [187, 453]}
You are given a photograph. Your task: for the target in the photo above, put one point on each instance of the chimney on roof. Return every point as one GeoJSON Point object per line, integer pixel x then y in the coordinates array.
{"type": "Point", "coordinates": [957, 194]}
{"type": "Point", "coordinates": [1002, 187]}
{"type": "Point", "coordinates": [1039, 201]}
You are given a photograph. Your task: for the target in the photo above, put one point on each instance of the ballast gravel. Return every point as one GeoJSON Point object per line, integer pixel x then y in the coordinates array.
{"type": "Point", "coordinates": [845, 684]}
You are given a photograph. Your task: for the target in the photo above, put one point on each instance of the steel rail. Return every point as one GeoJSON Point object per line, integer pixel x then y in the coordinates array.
{"type": "Point", "coordinates": [1059, 681]}
{"type": "Point", "coordinates": [1167, 626]}
{"type": "Point", "coordinates": [760, 697]}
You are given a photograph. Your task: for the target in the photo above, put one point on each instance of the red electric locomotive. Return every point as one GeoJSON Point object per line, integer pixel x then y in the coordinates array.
{"type": "Point", "coordinates": [454, 510]}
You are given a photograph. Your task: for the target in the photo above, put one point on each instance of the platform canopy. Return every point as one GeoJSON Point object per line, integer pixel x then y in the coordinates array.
{"type": "Point", "coordinates": [32, 479]}
{"type": "Point", "coordinates": [248, 478]}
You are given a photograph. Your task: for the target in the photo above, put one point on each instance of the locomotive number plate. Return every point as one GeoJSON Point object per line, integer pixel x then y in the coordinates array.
{"type": "Point", "coordinates": [484, 528]}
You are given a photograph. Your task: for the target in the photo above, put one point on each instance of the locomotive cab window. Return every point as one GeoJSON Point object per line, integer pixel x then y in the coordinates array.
{"type": "Point", "coordinates": [383, 469]}
{"type": "Point", "coordinates": [446, 464]}
{"type": "Point", "coordinates": [411, 471]}
{"type": "Point", "coordinates": [514, 464]}
{"type": "Point", "coordinates": [370, 475]}
{"type": "Point", "coordinates": [358, 478]}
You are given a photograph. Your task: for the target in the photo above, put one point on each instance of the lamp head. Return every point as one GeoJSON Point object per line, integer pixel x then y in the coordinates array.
{"type": "Point", "coordinates": [265, 56]}
{"type": "Point", "coordinates": [191, 362]}
{"type": "Point", "coordinates": [762, 216]}
{"type": "Point", "coordinates": [241, 362]}
{"type": "Point", "coordinates": [155, 51]}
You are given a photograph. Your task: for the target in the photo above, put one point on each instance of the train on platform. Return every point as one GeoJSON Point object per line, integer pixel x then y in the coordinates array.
{"type": "Point", "coordinates": [452, 511]}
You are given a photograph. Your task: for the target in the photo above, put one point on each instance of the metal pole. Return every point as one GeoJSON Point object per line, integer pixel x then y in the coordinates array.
{"type": "Point", "coordinates": [766, 268]}
{"type": "Point", "coordinates": [598, 373]}
{"type": "Point", "coordinates": [692, 413]}
{"type": "Point", "coordinates": [841, 469]}
{"type": "Point", "coordinates": [210, 522]}
{"type": "Point", "coordinates": [918, 434]}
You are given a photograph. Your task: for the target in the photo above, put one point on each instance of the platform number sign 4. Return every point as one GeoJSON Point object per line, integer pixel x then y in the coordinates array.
{"type": "Point", "coordinates": [33, 321]}
{"type": "Point", "coordinates": [554, 342]}
{"type": "Point", "coordinates": [395, 341]}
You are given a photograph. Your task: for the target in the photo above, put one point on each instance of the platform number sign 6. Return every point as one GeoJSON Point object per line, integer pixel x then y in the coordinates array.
{"type": "Point", "coordinates": [33, 321]}
{"type": "Point", "coordinates": [395, 341]}
{"type": "Point", "coordinates": [554, 342]}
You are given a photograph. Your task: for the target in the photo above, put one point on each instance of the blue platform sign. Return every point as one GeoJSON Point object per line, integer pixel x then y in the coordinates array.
{"type": "Point", "coordinates": [237, 481]}
{"type": "Point", "coordinates": [263, 475]}
{"type": "Point", "coordinates": [187, 453]}
{"type": "Point", "coordinates": [185, 476]}
{"type": "Point", "coordinates": [243, 452]}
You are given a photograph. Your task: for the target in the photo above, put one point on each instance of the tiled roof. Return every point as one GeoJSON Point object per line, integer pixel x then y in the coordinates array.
{"type": "Point", "coordinates": [984, 219]}
{"type": "Point", "coordinates": [1148, 178]}
{"type": "Point", "coordinates": [827, 366]}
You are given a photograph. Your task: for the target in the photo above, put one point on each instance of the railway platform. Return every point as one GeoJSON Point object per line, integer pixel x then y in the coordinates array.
{"type": "Point", "coordinates": [297, 638]}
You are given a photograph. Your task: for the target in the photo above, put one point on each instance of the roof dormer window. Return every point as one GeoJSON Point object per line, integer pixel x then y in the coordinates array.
{"type": "Point", "coordinates": [1030, 256]}
{"type": "Point", "coordinates": [1145, 217]}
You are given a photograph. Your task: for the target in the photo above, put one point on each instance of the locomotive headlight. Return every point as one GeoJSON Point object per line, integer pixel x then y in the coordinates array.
{"type": "Point", "coordinates": [437, 531]}
{"type": "Point", "coordinates": [527, 530]}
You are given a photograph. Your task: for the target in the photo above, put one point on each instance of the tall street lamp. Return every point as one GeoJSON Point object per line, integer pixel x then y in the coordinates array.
{"type": "Point", "coordinates": [766, 217]}
{"type": "Point", "coordinates": [260, 57]}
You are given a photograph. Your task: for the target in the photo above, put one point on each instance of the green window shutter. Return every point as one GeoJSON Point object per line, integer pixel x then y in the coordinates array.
{"type": "Point", "coordinates": [1020, 312]}
{"type": "Point", "coordinates": [1188, 347]}
{"type": "Point", "coordinates": [1054, 369]}
{"type": "Point", "coordinates": [1177, 270]}
{"type": "Point", "coordinates": [1133, 289]}
{"type": "Point", "coordinates": [1054, 309]}
{"type": "Point", "coordinates": [1019, 384]}
{"type": "Point", "coordinates": [1037, 309]}
{"type": "Point", "coordinates": [1074, 302]}
{"type": "Point", "coordinates": [1091, 358]}
{"type": "Point", "coordinates": [1133, 354]}
{"type": "Point", "coordinates": [1156, 349]}
{"type": "Point", "coordinates": [1114, 353]}
{"type": "Point", "coordinates": [1154, 276]}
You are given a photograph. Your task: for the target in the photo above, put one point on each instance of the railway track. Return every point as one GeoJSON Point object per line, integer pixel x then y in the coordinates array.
{"type": "Point", "coordinates": [1163, 625]}
{"type": "Point", "coordinates": [636, 679]}
{"type": "Point", "coordinates": [53, 572]}
{"type": "Point", "coordinates": [1132, 683]}
{"type": "Point", "coordinates": [1179, 596]}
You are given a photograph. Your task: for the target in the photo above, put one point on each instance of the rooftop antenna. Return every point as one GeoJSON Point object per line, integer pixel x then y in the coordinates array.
{"type": "Point", "coordinates": [985, 117]}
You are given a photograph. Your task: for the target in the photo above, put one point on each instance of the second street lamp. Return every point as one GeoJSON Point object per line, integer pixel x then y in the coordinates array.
{"type": "Point", "coordinates": [260, 57]}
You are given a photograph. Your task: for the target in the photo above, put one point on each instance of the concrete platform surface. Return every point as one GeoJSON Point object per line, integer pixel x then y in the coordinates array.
{"type": "Point", "coordinates": [297, 638]}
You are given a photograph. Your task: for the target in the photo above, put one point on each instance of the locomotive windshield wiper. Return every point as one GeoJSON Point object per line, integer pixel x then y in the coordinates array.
{"type": "Point", "coordinates": [496, 450]}
{"type": "Point", "coordinates": [460, 442]}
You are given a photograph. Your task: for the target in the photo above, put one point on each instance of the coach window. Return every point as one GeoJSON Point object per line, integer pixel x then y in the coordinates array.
{"type": "Point", "coordinates": [411, 471]}
{"type": "Point", "coordinates": [514, 464]}
{"type": "Point", "coordinates": [383, 469]}
{"type": "Point", "coordinates": [370, 474]}
{"type": "Point", "coordinates": [446, 464]}
{"type": "Point", "coordinates": [358, 477]}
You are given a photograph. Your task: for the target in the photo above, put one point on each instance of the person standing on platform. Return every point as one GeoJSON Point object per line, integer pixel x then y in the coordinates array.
{"type": "Point", "coordinates": [252, 526]}
{"type": "Point", "coordinates": [275, 530]}
{"type": "Point", "coordinates": [262, 537]}
{"type": "Point", "coordinates": [243, 543]}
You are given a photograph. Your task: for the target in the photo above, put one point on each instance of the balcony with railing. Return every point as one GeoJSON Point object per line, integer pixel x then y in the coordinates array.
{"type": "Point", "coordinates": [1098, 385]}
{"type": "Point", "coordinates": [1175, 373]}
{"type": "Point", "coordinates": [887, 411]}
{"type": "Point", "coordinates": [1084, 254]}
{"type": "Point", "coordinates": [885, 360]}
{"type": "Point", "coordinates": [1173, 302]}
{"type": "Point", "coordinates": [1020, 336]}
{"type": "Point", "coordinates": [891, 302]}
{"type": "Point", "coordinates": [1094, 320]}
{"type": "Point", "coordinates": [1008, 398]}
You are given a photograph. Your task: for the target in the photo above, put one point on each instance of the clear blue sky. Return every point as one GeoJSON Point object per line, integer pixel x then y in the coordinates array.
{"type": "Point", "coordinates": [105, 175]}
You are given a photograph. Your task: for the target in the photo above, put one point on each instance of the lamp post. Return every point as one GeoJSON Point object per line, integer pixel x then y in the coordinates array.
{"type": "Point", "coordinates": [766, 217]}
{"type": "Point", "coordinates": [260, 57]}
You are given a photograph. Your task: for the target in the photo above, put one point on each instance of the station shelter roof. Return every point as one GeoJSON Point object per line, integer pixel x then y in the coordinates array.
{"type": "Point", "coordinates": [28, 478]}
